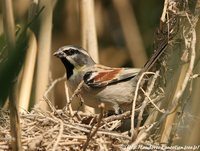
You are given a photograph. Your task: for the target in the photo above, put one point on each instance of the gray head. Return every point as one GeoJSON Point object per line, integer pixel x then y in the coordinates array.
{"type": "Point", "coordinates": [73, 57]}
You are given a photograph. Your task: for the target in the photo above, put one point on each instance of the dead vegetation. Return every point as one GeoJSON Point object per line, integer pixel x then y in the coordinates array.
{"type": "Point", "coordinates": [158, 108]}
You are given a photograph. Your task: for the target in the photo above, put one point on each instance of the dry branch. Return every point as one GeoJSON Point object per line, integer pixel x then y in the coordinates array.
{"type": "Point", "coordinates": [50, 130]}
{"type": "Point", "coordinates": [93, 132]}
{"type": "Point", "coordinates": [134, 102]}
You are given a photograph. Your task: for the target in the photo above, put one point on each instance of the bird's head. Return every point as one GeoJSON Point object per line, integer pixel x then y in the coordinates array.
{"type": "Point", "coordinates": [74, 57]}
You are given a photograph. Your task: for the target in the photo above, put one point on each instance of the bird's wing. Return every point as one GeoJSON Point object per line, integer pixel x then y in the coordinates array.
{"type": "Point", "coordinates": [100, 76]}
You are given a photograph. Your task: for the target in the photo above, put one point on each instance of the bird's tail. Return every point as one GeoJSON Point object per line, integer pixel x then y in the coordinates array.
{"type": "Point", "coordinates": [155, 56]}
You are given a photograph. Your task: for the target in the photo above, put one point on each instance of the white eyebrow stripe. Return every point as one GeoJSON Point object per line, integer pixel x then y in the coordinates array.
{"type": "Point", "coordinates": [84, 52]}
{"type": "Point", "coordinates": [76, 48]}
{"type": "Point", "coordinates": [64, 48]}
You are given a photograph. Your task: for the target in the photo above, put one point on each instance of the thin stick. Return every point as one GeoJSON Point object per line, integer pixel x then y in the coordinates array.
{"type": "Point", "coordinates": [52, 85]}
{"type": "Point", "coordinates": [145, 102]}
{"type": "Point", "coordinates": [163, 19]}
{"type": "Point", "coordinates": [91, 134]}
{"type": "Point", "coordinates": [190, 68]}
{"type": "Point", "coordinates": [140, 138]}
{"type": "Point", "coordinates": [53, 109]}
{"type": "Point", "coordinates": [122, 116]}
{"type": "Point", "coordinates": [59, 135]}
{"type": "Point", "coordinates": [68, 106]}
{"type": "Point", "coordinates": [161, 111]}
{"type": "Point", "coordinates": [134, 101]}
{"type": "Point", "coordinates": [76, 91]}
{"type": "Point", "coordinates": [69, 100]}
{"type": "Point", "coordinates": [117, 117]}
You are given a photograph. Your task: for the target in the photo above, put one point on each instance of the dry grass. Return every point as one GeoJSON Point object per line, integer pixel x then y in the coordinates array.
{"type": "Point", "coordinates": [155, 117]}
{"type": "Point", "coordinates": [42, 130]}
{"type": "Point", "coordinates": [67, 130]}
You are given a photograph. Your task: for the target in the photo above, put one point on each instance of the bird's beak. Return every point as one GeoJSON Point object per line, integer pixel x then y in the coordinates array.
{"type": "Point", "coordinates": [59, 54]}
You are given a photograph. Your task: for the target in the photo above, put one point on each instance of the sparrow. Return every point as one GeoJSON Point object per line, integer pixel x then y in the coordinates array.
{"type": "Point", "coordinates": [101, 84]}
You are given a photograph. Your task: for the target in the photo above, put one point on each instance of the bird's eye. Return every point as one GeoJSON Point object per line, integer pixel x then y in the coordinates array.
{"type": "Point", "coordinates": [71, 52]}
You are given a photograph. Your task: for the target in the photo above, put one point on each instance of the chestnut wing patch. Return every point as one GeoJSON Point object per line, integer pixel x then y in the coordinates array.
{"type": "Point", "coordinates": [106, 76]}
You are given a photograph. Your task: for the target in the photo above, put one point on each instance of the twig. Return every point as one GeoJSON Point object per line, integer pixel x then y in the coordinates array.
{"type": "Point", "coordinates": [122, 116]}
{"type": "Point", "coordinates": [92, 133]}
{"type": "Point", "coordinates": [76, 91]}
{"type": "Point", "coordinates": [194, 76]}
{"type": "Point", "coordinates": [53, 109]}
{"type": "Point", "coordinates": [161, 111]}
{"type": "Point", "coordinates": [140, 138]}
{"type": "Point", "coordinates": [134, 102]}
{"type": "Point", "coordinates": [163, 19]}
{"type": "Point", "coordinates": [70, 143]}
{"type": "Point", "coordinates": [114, 134]}
{"type": "Point", "coordinates": [145, 102]}
{"type": "Point", "coordinates": [100, 132]}
{"type": "Point", "coordinates": [59, 135]}
{"type": "Point", "coordinates": [68, 106]}
{"type": "Point", "coordinates": [190, 68]}
{"type": "Point", "coordinates": [52, 85]}
{"type": "Point", "coordinates": [117, 117]}
{"type": "Point", "coordinates": [75, 137]}
{"type": "Point", "coordinates": [111, 125]}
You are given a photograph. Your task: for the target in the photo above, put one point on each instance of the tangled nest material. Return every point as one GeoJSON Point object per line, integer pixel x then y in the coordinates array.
{"type": "Point", "coordinates": [75, 130]}
{"type": "Point", "coordinates": [63, 130]}
{"type": "Point", "coordinates": [58, 131]}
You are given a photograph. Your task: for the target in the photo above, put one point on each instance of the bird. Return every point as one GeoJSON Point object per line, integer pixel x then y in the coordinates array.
{"type": "Point", "coordinates": [101, 84]}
